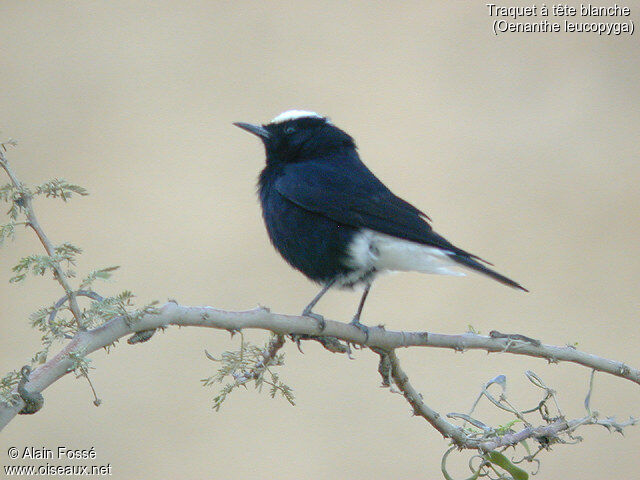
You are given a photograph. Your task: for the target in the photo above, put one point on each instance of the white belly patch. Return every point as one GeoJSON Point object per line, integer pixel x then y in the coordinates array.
{"type": "Point", "coordinates": [373, 250]}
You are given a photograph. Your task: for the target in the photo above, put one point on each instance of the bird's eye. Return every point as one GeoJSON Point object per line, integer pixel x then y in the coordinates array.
{"type": "Point", "coordinates": [289, 130]}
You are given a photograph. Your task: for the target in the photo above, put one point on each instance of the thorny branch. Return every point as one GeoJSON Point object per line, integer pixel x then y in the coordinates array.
{"type": "Point", "coordinates": [489, 439]}
{"type": "Point", "coordinates": [380, 340]}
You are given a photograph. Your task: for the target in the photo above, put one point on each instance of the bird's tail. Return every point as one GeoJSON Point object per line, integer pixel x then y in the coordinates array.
{"type": "Point", "coordinates": [471, 262]}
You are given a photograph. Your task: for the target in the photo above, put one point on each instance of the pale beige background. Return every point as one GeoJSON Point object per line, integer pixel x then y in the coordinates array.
{"type": "Point", "coordinates": [522, 148]}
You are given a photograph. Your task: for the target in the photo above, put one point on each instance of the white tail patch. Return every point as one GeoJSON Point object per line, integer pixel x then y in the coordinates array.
{"type": "Point", "coordinates": [371, 249]}
{"type": "Point", "coordinates": [295, 114]}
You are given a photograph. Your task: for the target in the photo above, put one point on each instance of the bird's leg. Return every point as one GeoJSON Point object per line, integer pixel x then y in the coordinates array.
{"type": "Point", "coordinates": [356, 318]}
{"type": "Point", "coordinates": [307, 310]}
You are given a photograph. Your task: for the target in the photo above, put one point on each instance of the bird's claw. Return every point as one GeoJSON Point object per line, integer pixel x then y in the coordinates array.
{"type": "Point", "coordinates": [363, 328]}
{"type": "Point", "coordinates": [317, 317]}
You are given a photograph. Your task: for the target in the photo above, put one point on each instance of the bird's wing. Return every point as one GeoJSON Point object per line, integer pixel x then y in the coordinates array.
{"type": "Point", "coordinates": [357, 199]}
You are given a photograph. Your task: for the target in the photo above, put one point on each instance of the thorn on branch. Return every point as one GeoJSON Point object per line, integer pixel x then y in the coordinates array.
{"type": "Point", "coordinates": [232, 331]}
{"type": "Point", "coordinates": [296, 339]}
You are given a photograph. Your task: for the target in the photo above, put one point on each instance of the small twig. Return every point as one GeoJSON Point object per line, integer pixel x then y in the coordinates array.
{"type": "Point", "coordinates": [96, 400]}
{"type": "Point", "coordinates": [546, 434]}
{"type": "Point", "coordinates": [80, 293]}
{"type": "Point", "coordinates": [420, 408]}
{"type": "Point", "coordinates": [32, 220]}
{"type": "Point", "coordinates": [587, 399]}
{"type": "Point", "coordinates": [268, 355]}
{"type": "Point", "coordinates": [549, 393]}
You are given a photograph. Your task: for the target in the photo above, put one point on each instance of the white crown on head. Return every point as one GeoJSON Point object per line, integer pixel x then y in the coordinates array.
{"type": "Point", "coordinates": [295, 114]}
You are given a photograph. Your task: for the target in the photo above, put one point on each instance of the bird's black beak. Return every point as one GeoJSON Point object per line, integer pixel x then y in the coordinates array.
{"type": "Point", "coordinates": [255, 129]}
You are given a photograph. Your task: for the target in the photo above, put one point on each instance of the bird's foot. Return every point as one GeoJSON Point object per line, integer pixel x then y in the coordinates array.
{"type": "Point", "coordinates": [363, 328]}
{"type": "Point", "coordinates": [317, 317]}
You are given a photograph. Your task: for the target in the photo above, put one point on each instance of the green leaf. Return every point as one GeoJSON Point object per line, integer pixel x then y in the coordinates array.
{"type": "Point", "coordinates": [67, 252]}
{"type": "Point", "coordinates": [526, 447]}
{"type": "Point", "coordinates": [244, 366]}
{"type": "Point", "coordinates": [13, 211]}
{"type": "Point", "coordinates": [7, 385]}
{"type": "Point", "coordinates": [7, 231]}
{"type": "Point", "coordinates": [102, 274]}
{"type": "Point", "coordinates": [6, 192]}
{"type": "Point", "coordinates": [60, 188]}
{"type": "Point", "coordinates": [37, 264]}
{"type": "Point", "coordinates": [502, 429]}
{"type": "Point", "coordinates": [498, 459]}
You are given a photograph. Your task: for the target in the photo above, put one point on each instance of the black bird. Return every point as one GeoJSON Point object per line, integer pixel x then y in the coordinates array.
{"type": "Point", "coordinates": [331, 218]}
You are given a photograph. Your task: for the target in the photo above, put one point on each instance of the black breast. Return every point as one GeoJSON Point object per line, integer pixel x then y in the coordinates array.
{"type": "Point", "coordinates": [308, 241]}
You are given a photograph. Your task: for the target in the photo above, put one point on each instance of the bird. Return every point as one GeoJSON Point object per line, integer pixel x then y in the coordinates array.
{"type": "Point", "coordinates": [332, 219]}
